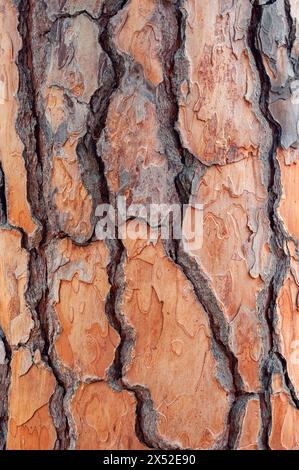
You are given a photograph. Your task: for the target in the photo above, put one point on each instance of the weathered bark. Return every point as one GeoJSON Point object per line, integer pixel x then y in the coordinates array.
{"type": "Point", "coordinates": [126, 344]}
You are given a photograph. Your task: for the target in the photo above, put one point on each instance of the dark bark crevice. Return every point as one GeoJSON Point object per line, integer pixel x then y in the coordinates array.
{"type": "Point", "coordinates": [167, 110]}
{"type": "Point", "coordinates": [3, 204]}
{"type": "Point", "coordinates": [28, 127]}
{"type": "Point", "coordinates": [272, 197]}
{"type": "Point", "coordinates": [5, 380]}
{"type": "Point", "coordinates": [191, 172]}
{"type": "Point", "coordinates": [218, 323]}
{"type": "Point", "coordinates": [236, 419]}
{"type": "Point", "coordinates": [146, 416]}
{"type": "Point", "coordinates": [145, 424]}
{"type": "Point", "coordinates": [279, 236]}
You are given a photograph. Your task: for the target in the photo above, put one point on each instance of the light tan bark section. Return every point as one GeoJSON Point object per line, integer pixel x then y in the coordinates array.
{"type": "Point", "coordinates": [85, 342]}
{"type": "Point", "coordinates": [251, 426]}
{"type": "Point", "coordinates": [30, 424]}
{"type": "Point", "coordinates": [172, 356]}
{"type": "Point", "coordinates": [15, 316]}
{"type": "Point", "coordinates": [104, 418]}
{"type": "Point", "coordinates": [216, 119]}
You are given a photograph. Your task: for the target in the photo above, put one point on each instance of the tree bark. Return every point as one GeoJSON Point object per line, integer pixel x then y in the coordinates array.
{"type": "Point", "coordinates": [132, 344]}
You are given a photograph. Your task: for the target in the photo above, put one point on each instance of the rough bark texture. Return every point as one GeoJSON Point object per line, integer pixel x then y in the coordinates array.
{"type": "Point", "coordinates": [127, 344]}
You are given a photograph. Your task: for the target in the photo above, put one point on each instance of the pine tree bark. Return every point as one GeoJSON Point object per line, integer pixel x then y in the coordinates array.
{"type": "Point", "coordinates": [126, 344]}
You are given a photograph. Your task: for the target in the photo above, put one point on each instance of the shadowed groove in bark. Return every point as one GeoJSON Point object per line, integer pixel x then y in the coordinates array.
{"type": "Point", "coordinates": [65, 15]}
{"type": "Point", "coordinates": [272, 294]}
{"type": "Point", "coordinates": [292, 32]}
{"type": "Point", "coordinates": [27, 125]}
{"type": "Point", "coordinates": [99, 104]}
{"type": "Point", "coordinates": [287, 379]}
{"type": "Point", "coordinates": [278, 229]}
{"type": "Point", "coordinates": [146, 421]}
{"type": "Point", "coordinates": [279, 236]}
{"type": "Point", "coordinates": [28, 129]}
{"type": "Point", "coordinates": [145, 424]}
{"type": "Point", "coordinates": [3, 205]}
{"type": "Point", "coordinates": [5, 379]}
{"type": "Point", "coordinates": [262, 3]}
{"type": "Point", "coordinates": [58, 413]}
{"type": "Point", "coordinates": [87, 146]}
{"type": "Point", "coordinates": [219, 328]}
{"type": "Point", "coordinates": [190, 268]}
{"type": "Point", "coordinates": [191, 165]}
{"type": "Point", "coordinates": [144, 408]}
{"type": "Point", "coordinates": [236, 419]}
{"type": "Point", "coordinates": [146, 417]}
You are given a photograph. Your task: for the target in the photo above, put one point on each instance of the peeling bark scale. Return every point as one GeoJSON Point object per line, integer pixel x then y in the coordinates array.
{"type": "Point", "coordinates": [131, 344]}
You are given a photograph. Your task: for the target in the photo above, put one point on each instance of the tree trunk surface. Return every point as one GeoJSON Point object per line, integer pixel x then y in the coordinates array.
{"type": "Point", "coordinates": [126, 343]}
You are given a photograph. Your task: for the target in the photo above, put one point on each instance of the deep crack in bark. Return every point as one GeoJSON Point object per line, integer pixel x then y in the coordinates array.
{"type": "Point", "coordinates": [187, 264]}
{"type": "Point", "coordinates": [3, 204]}
{"type": "Point", "coordinates": [28, 129]}
{"type": "Point", "coordinates": [5, 380]}
{"type": "Point", "coordinates": [99, 105]}
{"type": "Point", "coordinates": [279, 237]}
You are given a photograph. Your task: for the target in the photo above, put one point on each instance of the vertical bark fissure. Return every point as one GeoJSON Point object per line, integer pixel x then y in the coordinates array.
{"type": "Point", "coordinates": [236, 419]}
{"type": "Point", "coordinates": [145, 424]}
{"type": "Point", "coordinates": [3, 204]}
{"type": "Point", "coordinates": [99, 105]}
{"type": "Point", "coordinates": [292, 30]}
{"type": "Point", "coordinates": [5, 379]}
{"type": "Point", "coordinates": [27, 120]}
{"type": "Point", "coordinates": [291, 40]}
{"type": "Point", "coordinates": [272, 293]}
{"type": "Point", "coordinates": [190, 268]}
{"type": "Point", "coordinates": [146, 417]}
{"type": "Point", "coordinates": [278, 237]}
{"type": "Point", "coordinates": [28, 128]}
